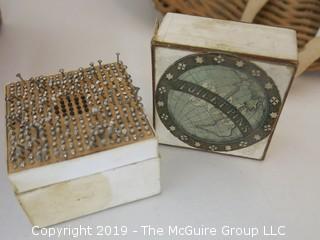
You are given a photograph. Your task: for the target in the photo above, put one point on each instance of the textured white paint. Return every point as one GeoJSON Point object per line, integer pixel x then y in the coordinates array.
{"type": "Point", "coordinates": [71, 199]}
{"type": "Point", "coordinates": [273, 42]}
{"type": "Point", "coordinates": [281, 75]}
{"type": "Point", "coordinates": [87, 165]}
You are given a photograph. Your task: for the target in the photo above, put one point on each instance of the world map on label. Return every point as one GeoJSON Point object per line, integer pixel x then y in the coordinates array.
{"type": "Point", "coordinates": [217, 101]}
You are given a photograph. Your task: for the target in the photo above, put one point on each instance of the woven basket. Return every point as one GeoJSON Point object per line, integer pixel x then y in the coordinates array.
{"type": "Point", "coordinates": [302, 15]}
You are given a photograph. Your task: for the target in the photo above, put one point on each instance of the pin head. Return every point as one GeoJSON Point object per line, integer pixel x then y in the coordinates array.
{"type": "Point", "coordinates": [18, 75]}
{"type": "Point", "coordinates": [61, 70]}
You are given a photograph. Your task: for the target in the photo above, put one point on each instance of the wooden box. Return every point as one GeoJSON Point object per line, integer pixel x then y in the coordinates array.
{"type": "Point", "coordinates": [79, 142]}
{"type": "Point", "coordinates": [220, 86]}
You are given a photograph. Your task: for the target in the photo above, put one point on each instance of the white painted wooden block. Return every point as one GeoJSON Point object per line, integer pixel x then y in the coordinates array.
{"type": "Point", "coordinates": [59, 192]}
{"type": "Point", "coordinates": [220, 86]}
{"type": "Point", "coordinates": [79, 142]}
{"type": "Point", "coordinates": [85, 195]}
{"type": "Point", "coordinates": [34, 178]}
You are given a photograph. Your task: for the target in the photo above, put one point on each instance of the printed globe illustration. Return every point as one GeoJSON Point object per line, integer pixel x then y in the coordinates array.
{"type": "Point", "coordinates": [217, 102]}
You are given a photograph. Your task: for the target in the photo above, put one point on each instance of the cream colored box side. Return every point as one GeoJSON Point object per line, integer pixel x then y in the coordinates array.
{"type": "Point", "coordinates": [72, 199]}
{"type": "Point", "coordinates": [83, 166]}
{"type": "Point", "coordinates": [236, 37]}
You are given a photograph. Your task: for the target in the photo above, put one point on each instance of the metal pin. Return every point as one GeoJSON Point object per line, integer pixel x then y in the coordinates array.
{"type": "Point", "coordinates": [100, 63]}
{"type": "Point", "coordinates": [136, 90]}
{"type": "Point", "coordinates": [110, 128]}
{"type": "Point", "coordinates": [61, 70]}
{"type": "Point", "coordinates": [118, 57]}
{"type": "Point", "coordinates": [18, 75]}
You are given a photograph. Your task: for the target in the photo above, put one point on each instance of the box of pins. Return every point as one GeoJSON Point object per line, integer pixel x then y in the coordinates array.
{"type": "Point", "coordinates": [79, 142]}
{"type": "Point", "coordinates": [219, 86]}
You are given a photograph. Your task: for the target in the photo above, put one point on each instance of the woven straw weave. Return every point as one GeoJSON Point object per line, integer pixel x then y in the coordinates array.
{"type": "Point", "coordinates": [302, 15]}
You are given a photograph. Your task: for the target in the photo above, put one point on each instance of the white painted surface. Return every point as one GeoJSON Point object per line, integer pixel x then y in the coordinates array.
{"type": "Point", "coordinates": [281, 74]}
{"type": "Point", "coordinates": [230, 36]}
{"type": "Point", "coordinates": [66, 170]}
{"type": "Point", "coordinates": [197, 187]}
{"type": "Point", "coordinates": [82, 196]}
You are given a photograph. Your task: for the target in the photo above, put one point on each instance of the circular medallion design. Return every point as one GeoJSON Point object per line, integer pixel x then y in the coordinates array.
{"type": "Point", "coordinates": [217, 102]}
